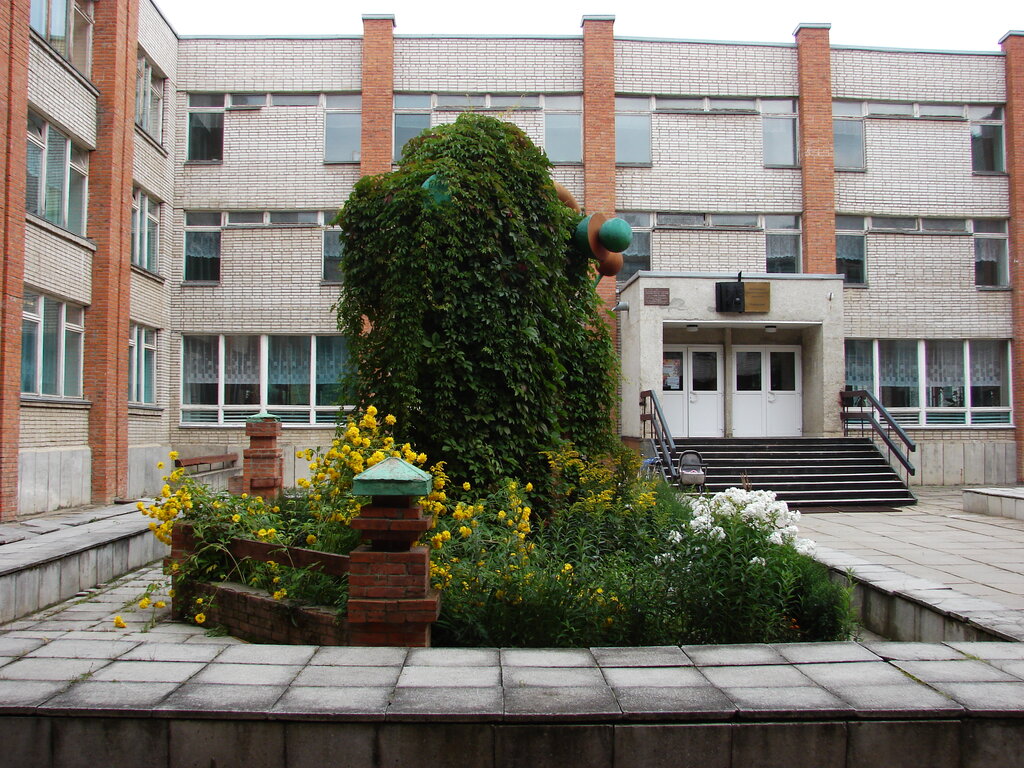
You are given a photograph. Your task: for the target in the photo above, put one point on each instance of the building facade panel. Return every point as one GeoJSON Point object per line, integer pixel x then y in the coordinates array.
{"type": "Point", "coordinates": [57, 264]}
{"type": "Point", "coordinates": [488, 65]}
{"type": "Point", "coordinates": [923, 76]}
{"type": "Point", "coordinates": [157, 40]}
{"type": "Point", "coordinates": [61, 95]}
{"type": "Point", "coordinates": [684, 68]}
{"type": "Point", "coordinates": [707, 251]}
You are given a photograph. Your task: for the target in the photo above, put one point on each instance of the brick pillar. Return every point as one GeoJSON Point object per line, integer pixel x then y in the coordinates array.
{"type": "Point", "coordinates": [599, 129]}
{"type": "Point", "coordinates": [814, 74]}
{"type": "Point", "coordinates": [110, 206]}
{"type": "Point", "coordinates": [263, 461]}
{"type": "Point", "coordinates": [378, 94]}
{"type": "Point", "coordinates": [14, 36]}
{"type": "Point", "coordinates": [1013, 47]}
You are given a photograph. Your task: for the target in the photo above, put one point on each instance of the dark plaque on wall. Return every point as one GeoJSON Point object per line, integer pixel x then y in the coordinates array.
{"type": "Point", "coordinates": [655, 297]}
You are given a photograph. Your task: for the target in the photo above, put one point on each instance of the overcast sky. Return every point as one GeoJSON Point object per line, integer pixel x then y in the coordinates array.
{"type": "Point", "coordinates": [940, 24]}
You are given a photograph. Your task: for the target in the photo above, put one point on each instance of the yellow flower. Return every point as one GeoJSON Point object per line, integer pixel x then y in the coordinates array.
{"type": "Point", "coordinates": [390, 419]}
{"type": "Point", "coordinates": [235, 518]}
{"type": "Point", "coordinates": [567, 568]}
{"type": "Point", "coordinates": [280, 594]}
{"type": "Point", "coordinates": [160, 604]}
{"type": "Point", "coordinates": [245, 495]}
{"type": "Point", "coordinates": [144, 603]}
{"type": "Point", "coordinates": [199, 601]}
{"type": "Point", "coordinates": [140, 506]}
{"type": "Point", "coordinates": [119, 622]}
{"type": "Point", "coordinates": [300, 454]}
{"type": "Point", "coordinates": [371, 411]}
{"type": "Point", "coordinates": [466, 486]}
{"type": "Point", "coordinates": [159, 465]}
{"type": "Point", "coordinates": [465, 531]}
{"type": "Point", "coordinates": [528, 487]}
{"type": "Point", "coordinates": [311, 539]}
{"type": "Point", "coordinates": [173, 455]}
{"type": "Point", "coordinates": [200, 618]}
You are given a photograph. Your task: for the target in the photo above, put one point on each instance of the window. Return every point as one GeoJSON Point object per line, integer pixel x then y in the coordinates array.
{"type": "Point", "coordinates": [848, 135]}
{"type": "Point", "coordinates": [206, 127]}
{"type": "Point", "coordinates": [778, 125]}
{"type": "Point", "coordinates": [563, 128]}
{"type": "Point", "coordinates": [850, 260]}
{"type": "Point", "coordinates": [67, 26]}
{"type": "Point", "coordinates": [149, 99]}
{"type": "Point", "coordinates": [296, 99]}
{"type": "Point", "coordinates": [247, 100]}
{"type": "Point", "coordinates": [412, 117]}
{"type": "Point", "coordinates": [638, 256]}
{"type": "Point", "coordinates": [343, 128]}
{"type": "Point", "coordinates": [633, 130]}
{"type": "Point", "coordinates": [782, 242]}
{"type": "Point", "coordinates": [986, 139]}
{"type": "Point", "coordinates": [226, 379]}
{"type": "Point", "coordinates": [964, 382]}
{"type": "Point", "coordinates": [51, 346]}
{"type": "Point", "coordinates": [991, 266]}
{"type": "Point", "coordinates": [145, 230]}
{"type": "Point", "coordinates": [55, 186]}
{"type": "Point", "coordinates": [141, 365]}
{"type": "Point", "coordinates": [332, 251]}
{"type": "Point", "coordinates": [202, 246]}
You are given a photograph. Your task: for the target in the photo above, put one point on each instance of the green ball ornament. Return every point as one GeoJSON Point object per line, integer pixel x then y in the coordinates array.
{"type": "Point", "coordinates": [615, 235]}
{"type": "Point", "coordinates": [581, 238]}
{"type": "Point", "coordinates": [437, 188]}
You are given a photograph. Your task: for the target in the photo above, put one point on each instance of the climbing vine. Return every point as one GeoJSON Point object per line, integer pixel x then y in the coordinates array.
{"type": "Point", "coordinates": [468, 314]}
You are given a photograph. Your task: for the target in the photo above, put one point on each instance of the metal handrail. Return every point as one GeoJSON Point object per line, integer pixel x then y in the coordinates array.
{"type": "Point", "coordinates": [664, 444]}
{"type": "Point", "coordinates": [882, 426]}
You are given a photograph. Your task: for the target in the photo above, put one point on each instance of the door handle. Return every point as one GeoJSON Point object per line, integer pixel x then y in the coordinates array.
{"type": "Point", "coordinates": [771, 397]}
{"type": "Point", "coordinates": [693, 398]}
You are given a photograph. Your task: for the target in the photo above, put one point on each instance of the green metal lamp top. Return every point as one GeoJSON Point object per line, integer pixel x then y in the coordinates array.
{"type": "Point", "coordinates": [392, 477]}
{"type": "Point", "coordinates": [263, 416]}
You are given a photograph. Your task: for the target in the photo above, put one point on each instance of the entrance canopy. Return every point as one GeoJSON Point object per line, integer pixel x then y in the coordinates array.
{"type": "Point", "coordinates": [768, 363]}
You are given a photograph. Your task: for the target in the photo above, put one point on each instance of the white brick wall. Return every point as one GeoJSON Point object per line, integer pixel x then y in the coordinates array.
{"type": "Point", "coordinates": [708, 162]}
{"type": "Point", "coordinates": [920, 168]}
{"type": "Point", "coordinates": [45, 426]}
{"type": "Point", "coordinates": [301, 64]}
{"type": "Point", "coordinates": [56, 264]}
{"type": "Point", "coordinates": [482, 65]}
{"type": "Point", "coordinates": [704, 69]}
{"type": "Point", "coordinates": [913, 76]}
{"type": "Point", "coordinates": [708, 251]}
{"type": "Point", "coordinates": [61, 96]}
{"type": "Point", "coordinates": [158, 40]}
{"type": "Point", "coordinates": [922, 287]}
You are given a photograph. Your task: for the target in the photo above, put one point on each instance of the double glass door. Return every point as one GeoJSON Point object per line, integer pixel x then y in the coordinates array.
{"type": "Point", "coordinates": [692, 390]}
{"type": "Point", "coordinates": [767, 400]}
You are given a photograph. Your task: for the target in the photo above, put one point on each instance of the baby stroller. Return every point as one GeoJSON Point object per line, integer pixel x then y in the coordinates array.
{"type": "Point", "coordinates": [692, 471]}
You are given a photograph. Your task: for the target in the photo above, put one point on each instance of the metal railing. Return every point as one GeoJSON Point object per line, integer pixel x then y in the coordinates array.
{"type": "Point", "coordinates": [861, 408]}
{"type": "Point", "coordinates": [654, 427]}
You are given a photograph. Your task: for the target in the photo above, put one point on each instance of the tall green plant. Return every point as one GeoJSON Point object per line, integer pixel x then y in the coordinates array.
{"type": "Point", "coordinates": [471, 318]}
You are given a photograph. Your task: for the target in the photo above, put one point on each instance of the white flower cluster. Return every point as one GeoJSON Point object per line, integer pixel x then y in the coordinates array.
{"type": "Point", "coordinates": [759, 509]}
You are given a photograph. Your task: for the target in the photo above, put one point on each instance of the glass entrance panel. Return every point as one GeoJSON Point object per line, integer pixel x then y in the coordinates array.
{"type": "Point", "coordinates": [748, 371]}
{"type": "Point", "coordinates": [783, 371]}
{"type": "Point", "coordinates": [704, 371]}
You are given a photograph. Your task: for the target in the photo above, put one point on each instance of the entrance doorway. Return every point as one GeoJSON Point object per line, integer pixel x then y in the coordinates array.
{"type": "Point", "coordinates": [693, 395]}
{"type": "Point", "coordinates": [766, 399]}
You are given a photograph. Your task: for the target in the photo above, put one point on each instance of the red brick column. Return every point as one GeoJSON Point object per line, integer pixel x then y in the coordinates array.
{"type": "Point", "coordinates": [263, 461]}
{"type": "Point", "coordinates": [390, 600]}
{"type": "Point", "coordinates": [110, 206]}
{"type": "Point", "coordinates": [14, 36]}
{"type": "Point", "coordinates": [814, 74]}
{"type": "Point", "coordinates": [1013, 47]}
{"type": "Point", "coordinates": [378, 94]}
{"type": "Point", "coordinates": [599, 128]}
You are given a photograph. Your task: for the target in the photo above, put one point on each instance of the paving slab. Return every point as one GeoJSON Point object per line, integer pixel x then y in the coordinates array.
{"type": "Point", "coordinates": [351, 703]}
{"type": "Point", "coordinates": [454, 704]}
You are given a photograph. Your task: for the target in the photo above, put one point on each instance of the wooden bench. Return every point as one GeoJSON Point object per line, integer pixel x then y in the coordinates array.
{"type": "Point", "coordinates": [225, 460]}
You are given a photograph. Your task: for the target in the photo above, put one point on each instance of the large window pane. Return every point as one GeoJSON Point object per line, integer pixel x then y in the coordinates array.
{"type": "Point", "coordinates": [76, 202]}
{"type": "Point", "coordinates": [704, 371]}
{"type": "Point", "coordinates": [849, 143]}
{"type": "Point", "coordinates": [342, 137]}
{"type": "Point", "coordinates": [783, 253]}
{"type": "Point", "coordinates": [59, 25]}
{"type": "Point", "coordinates": [29, 347]}
{"type": "Point", "coordinates": [72, 363]}
{"type": "Point", "coordinates": [987, 148]}
{"type": "Point", "coordinates": [33, 180]}
{"type": "Point", "coordinates": [288, 370]}
{"type": "Point", "coordinates": [563, 137]}
{"type": "Point", "coordinates": [202, 256]}
{"type": "Point", "coordinates": [633, 139]}
{"type": "Point", "coordinates": [241, 370]}
{"type": "Point", "coordinates": [200, 368]}
{"type": "Point", "coordinates": [748, 371]}
{"type": "Point", "coordinates": [898, 373]}
{"type": "Point", "coordinates": [860, 365]}
{"type": "Point", "coordinates": [332, 256]}
{"type": "Point", "coordinates": [206, 136]}
{"type": "Point", "coordinates": [850, 258]}
{"type": "Point", "coordinates": [331, 361]}
{"type": "Point", "coordinates": [779, 141]}
{"type": "Point", "coordinates": [637, 256]}
{"type": "Point", "coordinates": [944, 362]}
{"type": "Point", "coordinates": [782, 371]}
{"type": "Point", "coordinates": [51, 347]}
{"type": "Point", "coordinates": [989, 380]}
{"type": "Point", "coordinates": [990, 262]}
{"type": "Point", "coordinates": [407, 127]}
{"type": "Point", "coordinates": [56, 168]}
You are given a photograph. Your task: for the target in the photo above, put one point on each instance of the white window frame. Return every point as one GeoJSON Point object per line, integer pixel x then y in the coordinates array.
{"type": "Point", "coordinates": [967, 416]}
{"type": "Point", "coordinates": [219, 227]}
{"type": "Point", "coordinates": [343, 104]}
{"type": "Point", "coordinates": [149, 99]}
{"type": "Point", "coordinates": [560, 104]}
{"type": "Point", "coordinates": [205, 109]}
{"type": "Point", "coordinates": [980, 121]}
{"type": "Point", "coordinates": [776, 229]}
{"type": "Point", "coordinates": [77, 21]}
{"type": "Point", "coordinates": [33, 311]}
{"type": "Point", "coordinates": [853, 232]}
{"type": "Point", "coordinates": [74, 160]}
{"type": "Point", "coordinates": [146, 214]}
{"type": "Point", "coordinates": [1003, 262]}
{"type": "Point", "coordinates": [142, 367]}
{"type": "Point", "coordinates": [770, 114]}
{"type": "Point", "coordinates": [633, 107]}
{"type": "Point", "coordinates": [313, 415]}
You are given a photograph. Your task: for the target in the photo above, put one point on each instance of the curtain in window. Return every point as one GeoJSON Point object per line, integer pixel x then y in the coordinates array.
{"type": "Point", "coordinates": [860, 365]}
{"type": "Point", "coordinates": [898, 373]}
{"type": "Point", "coordinates": [241, 370]}
{"type": "Point", "coordinates": [200, 368]}
{"type": "Point", "coordinates": [987, 363]}
{"type": "Point", "coordinates": [288, 370]}
{"type": "Point", "coordinates": [945, 373]}
{"type": "Point", "coordinates": [331, 359]}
